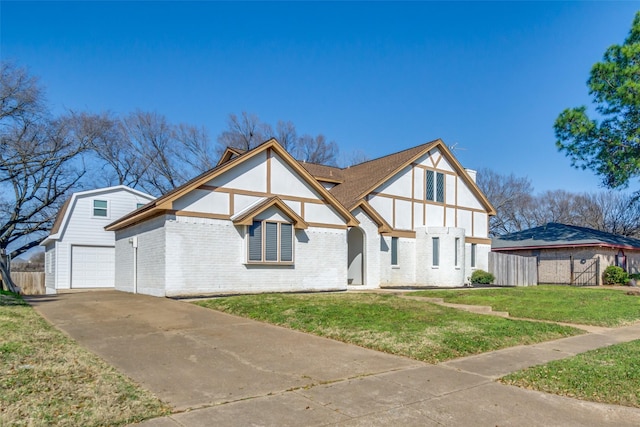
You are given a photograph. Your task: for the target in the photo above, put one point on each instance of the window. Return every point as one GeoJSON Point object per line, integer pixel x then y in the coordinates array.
{"type": "Point", "coordinates": [100, 208]}
{"type": "Point", "coordinates": [49, 261]}
{"type": "Point", "coordinates": [139, 205]}
{"type": "Point", "coordinates": [436, 251]}
{"type": "Point", "coordinates": [440, 188]}
{"type": "Point", "coordinates": [435, 186]}
{"type": "Point", "coordinates": [456, 249]}
{"type": "Point", "coordinates": [473, 255]}
{"type": "Point", "coordinates": [270, 242]}
{"type": "Point", "coordinates": [394, 251]}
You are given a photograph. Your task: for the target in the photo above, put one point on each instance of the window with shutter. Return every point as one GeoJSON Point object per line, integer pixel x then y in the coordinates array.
{"type": "Point", "coordinates": [286, 242]}
{"type": "Point", "coordinates": [255, 241]}
{"type": "Point", "coordinates": [270, 242]}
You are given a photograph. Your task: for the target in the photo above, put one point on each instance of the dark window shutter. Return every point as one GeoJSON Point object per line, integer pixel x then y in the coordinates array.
{"type": "Point", "coordinates": [255, 241]}
{"type": "Point", "coordinates": [271, 241]}
{"type": "Point", "coordinates": [286, 242]}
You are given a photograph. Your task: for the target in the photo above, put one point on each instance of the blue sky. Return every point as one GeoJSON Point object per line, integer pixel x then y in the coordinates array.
{"type": "Point", "coordinates": [377, 77]}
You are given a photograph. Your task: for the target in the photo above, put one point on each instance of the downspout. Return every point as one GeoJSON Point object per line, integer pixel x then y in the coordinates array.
{"type": "Point", "coordinates": [134, 244]}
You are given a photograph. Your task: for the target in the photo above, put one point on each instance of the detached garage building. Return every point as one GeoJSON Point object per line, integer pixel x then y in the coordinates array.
{"type": "Point", "coordinates": [79, 253]}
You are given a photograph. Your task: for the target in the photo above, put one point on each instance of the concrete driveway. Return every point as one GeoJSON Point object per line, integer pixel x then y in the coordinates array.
{"type": "Point", "coordinates": [218, 369]}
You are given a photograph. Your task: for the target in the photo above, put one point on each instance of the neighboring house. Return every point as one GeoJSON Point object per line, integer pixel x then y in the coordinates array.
{"type": "Point", "coordinates": [571, 255]}
{"type": "Point", "coordinates": [79, 253]}
{"type": "Point", "coordinates": [261, 221]}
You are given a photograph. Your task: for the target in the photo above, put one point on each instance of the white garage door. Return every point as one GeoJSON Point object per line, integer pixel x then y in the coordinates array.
{"type": "Point", "coordinates": [92, 267]}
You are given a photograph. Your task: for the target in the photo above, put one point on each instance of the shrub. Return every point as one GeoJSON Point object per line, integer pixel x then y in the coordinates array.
{"type": "Point", "coordinates": [481, 277]}
{"type": "Point", "coordinates": [614, 275]}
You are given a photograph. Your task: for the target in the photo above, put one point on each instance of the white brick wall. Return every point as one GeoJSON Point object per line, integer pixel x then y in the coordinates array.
{"type": "Point", "coordinates": [447, 273]}
{"type": "Point", "coordinates": [198, 256]}
{"type": "Point", "coordinates": [150, 254]}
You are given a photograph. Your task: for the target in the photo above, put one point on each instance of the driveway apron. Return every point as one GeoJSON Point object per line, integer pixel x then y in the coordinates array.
{"type": "Point", "coordinates": [219, 369]}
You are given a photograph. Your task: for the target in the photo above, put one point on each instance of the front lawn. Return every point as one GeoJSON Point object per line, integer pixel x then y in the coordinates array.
{"type": "Point", "coordinates": [47, 379]}
{"type": "Point", "coordinates": [415, 329]}
{"type": "Point", "coordinates": [588, 306]}
{"type": "Point", "coordinates": [607, 375]}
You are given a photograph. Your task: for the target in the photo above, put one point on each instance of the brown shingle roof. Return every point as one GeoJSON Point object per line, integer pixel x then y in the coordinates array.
{"type": "Point", "coordinates": [364, 177]}
{"type": "Point", "coordinates": [58, 222]}
{"type": "Point", "coordinates": [357, 181]}
{"type": "Point", "coordinates": [324, 172]}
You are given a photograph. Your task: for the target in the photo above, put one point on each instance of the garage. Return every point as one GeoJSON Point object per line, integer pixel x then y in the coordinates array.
{"type": "Point", "coordinates": [92, 267]}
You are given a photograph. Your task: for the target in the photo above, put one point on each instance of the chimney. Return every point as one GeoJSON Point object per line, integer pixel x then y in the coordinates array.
{"type": "Point", "coordinates": [472, 174]}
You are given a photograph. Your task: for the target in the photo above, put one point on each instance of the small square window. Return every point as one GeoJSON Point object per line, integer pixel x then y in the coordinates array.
{"type": "Point", "coordinates": [100, 208]}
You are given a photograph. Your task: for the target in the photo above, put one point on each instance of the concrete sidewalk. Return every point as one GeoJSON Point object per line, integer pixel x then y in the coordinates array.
{"type": "Point", "coordinates": [217, 369]}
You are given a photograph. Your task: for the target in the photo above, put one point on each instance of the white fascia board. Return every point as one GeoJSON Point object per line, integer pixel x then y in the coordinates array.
{"type": "Point", "coordinates": [248, 208]}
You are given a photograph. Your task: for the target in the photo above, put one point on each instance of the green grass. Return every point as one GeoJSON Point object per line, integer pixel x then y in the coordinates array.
{"type": "Point", "coordinates": [47, 379]}
{"type": "Point", "coordinates": [415, 329]}
{"type": "Point", "coordinates": [606, 375]}
{"type": "Point", "coordinates": [588, 306]}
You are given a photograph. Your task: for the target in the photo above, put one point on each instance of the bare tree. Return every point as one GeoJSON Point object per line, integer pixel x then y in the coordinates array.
{"type": "Point", "coordinates": [195, 150]}
{"type": "Point", "coordinates": [316, 150]}
{"type": "Point", "coordinates": [143, 150]}
{"type": "Point", "coordinates": [518, 209]}
{"type": "Point", "coordinates": [244, 132]}
{"type": "Point", "coordinates": [355, 157]}
{"type": "Point", "coordinates": [511, 197]}
{"type": "Point", "coordinates": [247, 131]}
{"type": "Point", "coordinates": [20, 95]}
{"type": "Point", "coordinates": [286, 135]}
{"type": "Point", "coordinates": [615, 212]}
{"type": "Point", "coordinates": [38, 162]}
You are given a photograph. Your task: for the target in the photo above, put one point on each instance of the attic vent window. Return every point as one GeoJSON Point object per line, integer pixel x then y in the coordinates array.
{"type": "Point", "coordinates": [100, 208]}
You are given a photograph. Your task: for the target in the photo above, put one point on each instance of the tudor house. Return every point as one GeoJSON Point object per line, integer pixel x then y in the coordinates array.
{"type": "Point", "coordinates": [260, 221]}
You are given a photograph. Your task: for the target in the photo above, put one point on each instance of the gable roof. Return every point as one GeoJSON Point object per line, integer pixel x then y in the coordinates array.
{"type": "Point", "coordinates": [64, 213]}
{"type": "Point", "coordinates": [356, 182]}
{"type": "Point", "coordinates": [555, 235]}
{"type": "Point", "coordinates": [164, 203]}
{"type": "Point", "coordinates": [246, 216]}
{"type": "Point", "coordinates": [230, 153]}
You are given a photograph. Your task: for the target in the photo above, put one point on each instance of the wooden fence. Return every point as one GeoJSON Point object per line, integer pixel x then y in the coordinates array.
{"type": "Point", "coordinates": [30, 282]}
{"type": "Point", "coordinates": [513, 270]}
